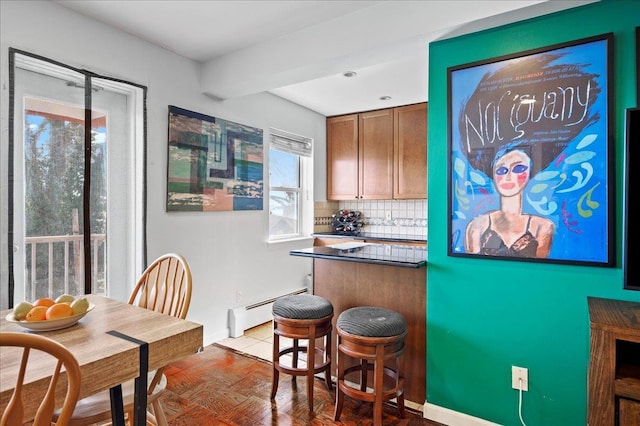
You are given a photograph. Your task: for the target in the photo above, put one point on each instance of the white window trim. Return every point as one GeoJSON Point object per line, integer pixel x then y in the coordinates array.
{"type": "Point", "coordinates": [305, 215]}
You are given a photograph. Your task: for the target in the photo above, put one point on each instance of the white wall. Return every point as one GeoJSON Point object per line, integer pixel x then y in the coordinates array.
{"type": "Point", "coordinates": [227, 251]}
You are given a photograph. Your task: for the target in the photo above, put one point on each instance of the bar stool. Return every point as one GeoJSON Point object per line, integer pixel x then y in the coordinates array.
{"type": "Point", "coordinates": [372, 336]}
{"type": "Point", "coordinates": [307, 317]}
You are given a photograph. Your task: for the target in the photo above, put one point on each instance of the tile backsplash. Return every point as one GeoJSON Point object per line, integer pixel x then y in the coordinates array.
{"type": "Point", "coordinates": [407, 217]}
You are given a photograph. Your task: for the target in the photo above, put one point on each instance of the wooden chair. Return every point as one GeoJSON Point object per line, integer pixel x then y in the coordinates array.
{"type": "Point", "coordinates": [13, 413]}
{"type": "Point", "coordinates": [165, 287]}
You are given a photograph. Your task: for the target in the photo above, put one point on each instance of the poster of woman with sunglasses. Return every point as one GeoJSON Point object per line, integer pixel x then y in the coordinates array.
{"type": "Point", "coordinates": [530, 152]}
{"type": "Point", "coordinates": [508, 231]}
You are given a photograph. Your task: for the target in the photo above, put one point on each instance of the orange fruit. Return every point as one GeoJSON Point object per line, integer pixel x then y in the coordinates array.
{"type": "Point", "coordinates": [59, 310]}
{"type": "Point", "coordinates": [44, 301]}
{"type": "Point", "coordinates": [37, 313]}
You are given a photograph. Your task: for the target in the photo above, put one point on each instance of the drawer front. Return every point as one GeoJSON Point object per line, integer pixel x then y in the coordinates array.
{"type": "Point", "coordinates": [628, 412]}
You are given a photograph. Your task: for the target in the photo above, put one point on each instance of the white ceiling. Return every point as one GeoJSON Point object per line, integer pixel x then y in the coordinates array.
{"type": "Point", "coordinates": [298, 50]}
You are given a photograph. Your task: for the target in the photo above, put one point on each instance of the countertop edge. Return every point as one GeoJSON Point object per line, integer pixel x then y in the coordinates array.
{"type": "Point", "coordinates": [413, 265]}
{"type": "Point", "coordinates": [377, 237]}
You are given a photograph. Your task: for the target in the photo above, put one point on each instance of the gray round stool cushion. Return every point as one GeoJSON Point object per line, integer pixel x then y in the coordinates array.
{"type": "Point", "coordinates": [302, 306]}
{"type": "Point", "coordinates": [371, 321]}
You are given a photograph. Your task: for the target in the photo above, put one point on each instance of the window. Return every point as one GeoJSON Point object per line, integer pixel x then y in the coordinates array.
{"type": "Point", "coordinates": [290, 195]}
{"type": "Point", "coordinates": [76, 205]}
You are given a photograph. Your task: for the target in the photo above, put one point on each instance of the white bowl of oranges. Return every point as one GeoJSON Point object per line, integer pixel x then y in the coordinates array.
{"type": "Point", "coordinates": [46, 314]}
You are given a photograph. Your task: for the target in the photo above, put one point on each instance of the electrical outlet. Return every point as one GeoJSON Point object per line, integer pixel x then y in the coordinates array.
{"type": "Point", "coordinates": [387, 215]}
{"type": "Point", "coordinates": [519, 374]}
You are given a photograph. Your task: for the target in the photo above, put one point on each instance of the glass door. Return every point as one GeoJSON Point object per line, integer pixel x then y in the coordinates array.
{"type": "Point", "coordinates": [56, 165]}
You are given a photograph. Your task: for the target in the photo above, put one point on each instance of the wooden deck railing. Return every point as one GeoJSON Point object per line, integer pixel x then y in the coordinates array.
{"type": "Point", "coordinates": [65, 250]}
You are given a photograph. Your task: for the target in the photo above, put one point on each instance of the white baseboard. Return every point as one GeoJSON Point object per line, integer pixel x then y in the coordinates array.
{"type": "Point", "coordinates": [214, 337]}
{"type": "Point", "coordinates": [242, 318]}
{"type": "Point", "coordinates": [452, 418]}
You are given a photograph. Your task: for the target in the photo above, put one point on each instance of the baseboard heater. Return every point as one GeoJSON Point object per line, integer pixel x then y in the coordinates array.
{"type": "Point", "coordinates": [245, 317]}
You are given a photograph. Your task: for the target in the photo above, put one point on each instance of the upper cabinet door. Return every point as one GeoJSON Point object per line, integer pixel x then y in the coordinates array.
{"type": "Point", "coordinates": [376, 155]}
{"type": "Point", "coordinates": [410, 152]}
{"type": "Point", "coordinates": [342, 157]}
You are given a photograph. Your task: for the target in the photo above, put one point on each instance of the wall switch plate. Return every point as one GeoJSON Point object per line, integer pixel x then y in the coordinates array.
{"type": "Point", "coordinates": [387, 215]}
{"type": "Point", "coordinates": [517, 374]}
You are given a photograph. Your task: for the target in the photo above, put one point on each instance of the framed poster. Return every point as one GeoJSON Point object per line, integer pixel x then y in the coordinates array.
{"type": "Point", "coordinates": [530, 148]}
{"type": "Point", "coordinates": [213, 164]}
{"type": "Point", "coordinates": [638, 66]}
{"type": "Point", "coordinates": [632, 182]}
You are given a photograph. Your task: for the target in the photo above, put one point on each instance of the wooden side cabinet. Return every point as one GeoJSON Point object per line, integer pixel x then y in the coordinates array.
{"type": "Point", "coordinates": [614, 365]}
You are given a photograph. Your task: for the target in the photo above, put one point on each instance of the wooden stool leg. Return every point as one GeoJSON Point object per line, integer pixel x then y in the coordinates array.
{"type": "Point", "coordinates": [275, 359]}
{"type": "Point", "coordinates": [339, 383]}
{"type": "Point", "coordinates": [327, 355]}
{"type": "Point", "coordinates": [296, 349]}
{"type": "Point", "coordinates": [378, 385]}
{"type": "Point", "coordinates": [399, 398]}
{"type": "Point", "coordinates": [364, 375]}
{"type": "Point", "coordinates": [311, 365]}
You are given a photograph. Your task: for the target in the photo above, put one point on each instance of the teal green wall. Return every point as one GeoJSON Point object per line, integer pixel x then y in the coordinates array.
{"type": "Point", "coordinates": [483, 316]}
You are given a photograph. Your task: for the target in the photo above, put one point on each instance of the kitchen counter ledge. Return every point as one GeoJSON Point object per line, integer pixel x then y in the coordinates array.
{"type": "Point", "coordinates": [373, 236]}
{"type": "Point", "coordinates": [379, 254]}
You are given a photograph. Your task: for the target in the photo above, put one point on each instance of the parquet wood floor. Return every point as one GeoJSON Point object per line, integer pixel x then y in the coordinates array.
{"type": "Point", "coordinates": [221, 386]}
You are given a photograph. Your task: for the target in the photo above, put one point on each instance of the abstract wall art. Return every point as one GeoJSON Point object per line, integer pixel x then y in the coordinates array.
{"type": "Point", "coordinates": [213, 164]}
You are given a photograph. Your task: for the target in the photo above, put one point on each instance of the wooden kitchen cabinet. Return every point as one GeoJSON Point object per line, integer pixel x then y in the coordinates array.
{"type": "Point", "coordinates": [614, 365]}
{"type": "Point", "coordinates": [342, 157]}
{"type": "Point", "coordinates": [378, 155]}
{"type": "Point", "coordinates": [410, 152]}
{"type": "Point", "coordinates": [375, 155]}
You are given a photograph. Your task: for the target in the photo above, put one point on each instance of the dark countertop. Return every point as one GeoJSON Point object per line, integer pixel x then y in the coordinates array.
{"type": "Point", "coordinates": [379, 254]}
{"type": "Point", "coordinates": [373, 236]}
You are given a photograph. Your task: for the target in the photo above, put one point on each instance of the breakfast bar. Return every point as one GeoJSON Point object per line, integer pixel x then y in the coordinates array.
{"type": "Point", "coordinates": [391, 275]}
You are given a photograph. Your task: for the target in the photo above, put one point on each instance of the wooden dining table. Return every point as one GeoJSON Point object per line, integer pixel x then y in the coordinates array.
{"type": "Point", "coordinates": [115, 342]}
